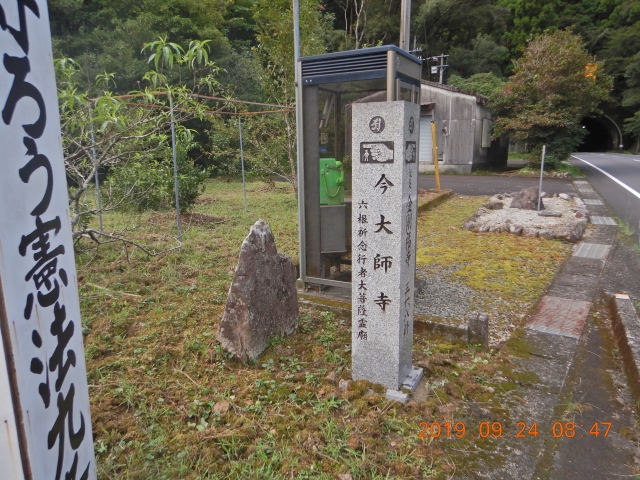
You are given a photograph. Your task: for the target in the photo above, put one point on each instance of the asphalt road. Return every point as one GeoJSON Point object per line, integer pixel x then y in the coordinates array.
{"type": "Point", "coordinates": [616, 178]}
{"type": "Point", "coordinates": [492, 184]}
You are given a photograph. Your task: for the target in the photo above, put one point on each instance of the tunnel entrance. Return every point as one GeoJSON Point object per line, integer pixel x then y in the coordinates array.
{"type": "Point", "coordinates": [602, 135]}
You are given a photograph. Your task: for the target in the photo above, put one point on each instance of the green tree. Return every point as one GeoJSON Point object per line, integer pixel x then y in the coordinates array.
{"type": "Point", "coordinates": [274, 138]}
{"type": "Point", "coordinates": [631, 98]}
{"type": "Point", "coordinates": [632, 127]}
{"type": "Point", "coordinates": [620, 43]}
{"type": "Point", "coordinates": [486, 84]}
{"type": "Point", "coordinates": [549, 93]}
{"type": "Point", "coordinates": [441, 25]}
{"type": "Point", "coordinates": [486, 56]}
{"type": "Point", "coordinates": [530, 19]}
{"type": "Point", "coordinates": [107, 36]}
{"type": "Point", "coordinates": [129, 139]}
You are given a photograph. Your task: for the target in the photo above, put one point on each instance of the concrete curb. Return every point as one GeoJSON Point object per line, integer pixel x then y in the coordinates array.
{"type": "Point", "coordinates": [626, 330]}
{"type": "Point", "coordinates": [442, 196]}
{"type": "Point", "coordinates": [422, 326]}
{"type": "Point", "coordinates": [340, 308]}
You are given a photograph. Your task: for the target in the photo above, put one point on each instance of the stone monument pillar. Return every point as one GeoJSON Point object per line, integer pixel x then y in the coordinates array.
{"type": "Point", "coordinates": [384, 212]}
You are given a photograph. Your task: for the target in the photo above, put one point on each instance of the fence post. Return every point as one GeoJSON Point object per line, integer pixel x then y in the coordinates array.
{"type": "Point", "coordinates": [544, 151]}
{"type": "Point", "coordinates": [175, 169]}
{"type": "Point", "coordinates": [93, 150]}
{"type": "Point", "coordinates": [244, 185]}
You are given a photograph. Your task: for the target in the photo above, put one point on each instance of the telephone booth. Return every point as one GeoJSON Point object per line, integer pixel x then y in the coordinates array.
{"type": "Point", "coordinates": [329, 85]}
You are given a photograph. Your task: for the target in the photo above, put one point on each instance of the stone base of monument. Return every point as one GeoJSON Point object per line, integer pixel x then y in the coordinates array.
{"type": "Point", "coordinates": [410, 383]}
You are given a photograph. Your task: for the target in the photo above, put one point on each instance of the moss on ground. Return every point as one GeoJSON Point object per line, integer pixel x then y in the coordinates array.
{"type": "Point", "coordinates": [168, 403]}
{"type": "Point", "coordinates": [508, 272]}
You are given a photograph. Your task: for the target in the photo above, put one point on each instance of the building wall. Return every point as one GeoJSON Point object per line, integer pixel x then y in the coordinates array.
{"type": "Point", "coordinates": [460, 146]}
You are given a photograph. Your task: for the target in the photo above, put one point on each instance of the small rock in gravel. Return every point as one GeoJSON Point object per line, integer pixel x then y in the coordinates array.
{"type": "Point", "coordinates": [469, 224]}
{"type": "Point", "coordinates": [526, 199]}
{"type": "Point", "coordinates": [572, 232]}
{"type": "Point", "coordinates": [515, 229]}
{"type": "Point", "coordinates": [529, 232]}
{"type": "Point", "coordinates": [493, 204]}
{"type": "Point", "coordinates": [550, 214]}
{"type": "Point", "coordinates": [564, 196]}
{"type": "Point", "coordinates": [547, 234]}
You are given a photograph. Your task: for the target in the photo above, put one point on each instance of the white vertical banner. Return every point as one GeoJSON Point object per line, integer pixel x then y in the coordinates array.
{"type": "Point", "coordinates": [44, 400]}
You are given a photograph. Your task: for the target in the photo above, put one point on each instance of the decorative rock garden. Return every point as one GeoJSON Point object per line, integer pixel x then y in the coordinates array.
{"type": "Point", "coordinates": [561, 216]}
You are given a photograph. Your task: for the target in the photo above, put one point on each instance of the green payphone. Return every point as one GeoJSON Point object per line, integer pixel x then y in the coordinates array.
{"type": "Point", "coordinates": [331, 182]}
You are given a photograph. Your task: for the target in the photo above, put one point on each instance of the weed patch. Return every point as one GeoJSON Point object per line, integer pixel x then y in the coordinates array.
{"type": "Point", "coordinates": [168, 403]}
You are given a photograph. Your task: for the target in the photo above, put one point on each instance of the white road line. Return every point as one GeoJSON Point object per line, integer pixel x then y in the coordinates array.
{"type": "Point", "coordinates": [623, 185]}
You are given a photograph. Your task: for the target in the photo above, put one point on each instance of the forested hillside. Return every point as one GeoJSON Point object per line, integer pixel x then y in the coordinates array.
{"type": "Point", "coordinates": [251, 43]}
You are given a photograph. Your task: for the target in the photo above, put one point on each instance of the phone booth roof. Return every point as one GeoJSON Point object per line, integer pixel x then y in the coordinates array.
{"type": "Point", "coordinates": [355, 67]}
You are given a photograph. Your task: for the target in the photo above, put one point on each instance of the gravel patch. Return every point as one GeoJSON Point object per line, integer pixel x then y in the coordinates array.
{"type": "Point", "coordinates": [441, 297]}
{"type": "Point", "coordinates": [444, 300]}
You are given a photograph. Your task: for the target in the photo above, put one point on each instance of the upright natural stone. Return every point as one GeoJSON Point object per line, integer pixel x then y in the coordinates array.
{"type": "Point", "coordinates": [263, 300]}
{"type": "Point", "coordinates": [526, 199]}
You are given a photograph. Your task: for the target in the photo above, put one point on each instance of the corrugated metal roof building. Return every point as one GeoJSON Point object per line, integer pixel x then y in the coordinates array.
{"type": "Point", "coordinates": [463, 130]}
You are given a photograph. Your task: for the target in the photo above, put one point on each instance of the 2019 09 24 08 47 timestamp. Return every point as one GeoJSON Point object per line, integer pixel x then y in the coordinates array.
{"type": "Point", "coordinates": [521, 430]}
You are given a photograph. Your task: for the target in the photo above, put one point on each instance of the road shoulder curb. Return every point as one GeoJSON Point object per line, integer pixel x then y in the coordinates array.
{"type": "Point", "coordinates": [626, 330]}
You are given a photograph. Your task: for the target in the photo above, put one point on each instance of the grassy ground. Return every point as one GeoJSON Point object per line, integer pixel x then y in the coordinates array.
{"type": "Point", "coordinates": [168, 403]}
{"type": "Point", "coordinates": [507, 272]}
{"type": "Point", "coordinates": [529, 170]}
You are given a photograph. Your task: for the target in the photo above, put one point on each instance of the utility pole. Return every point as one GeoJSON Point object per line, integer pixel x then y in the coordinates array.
{"type": "Point", "coordinates": [405, 25]}
{"type": "Point", "coordinates": [416, 51]}
{"type": "Point", "coordinates": [439, 68]}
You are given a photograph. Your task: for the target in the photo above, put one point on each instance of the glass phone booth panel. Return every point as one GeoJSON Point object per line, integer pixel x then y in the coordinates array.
{"type": "Point", "coordinates": [329, 85]}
